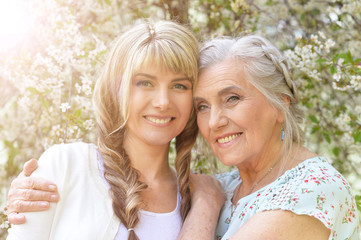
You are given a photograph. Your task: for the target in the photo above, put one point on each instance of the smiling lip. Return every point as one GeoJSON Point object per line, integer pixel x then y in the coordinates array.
{"type": "Point", "coordinates": [159, 120]}
{"type": "Point", "coordinates": [227, 138]}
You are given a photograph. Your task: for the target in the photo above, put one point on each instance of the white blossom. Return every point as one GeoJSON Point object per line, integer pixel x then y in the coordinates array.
{"type": "Point", "coordinates": [343, 122]}
{"type": "Point", "coordinates": [358, 109]}
{"type": "Point", "coordinates": [5, 225]}
{"type": "Point", "coordinates": [89, 124]}
{"type": "Point", "coordinates": [356, 82]}
{"type": "Point", "coordinates": [337, 76]}
{"type": "Point", "coordinates": [64, 106]}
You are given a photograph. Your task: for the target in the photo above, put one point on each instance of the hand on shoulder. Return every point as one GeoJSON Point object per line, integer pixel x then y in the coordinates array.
{"type": "Point", "coordinates": [206, 188]}
{"type": "Point", "coordinates": [29, 194]}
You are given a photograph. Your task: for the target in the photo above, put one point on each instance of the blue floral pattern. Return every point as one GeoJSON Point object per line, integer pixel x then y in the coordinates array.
{"type": "Point", "coordinates": [312, 188]}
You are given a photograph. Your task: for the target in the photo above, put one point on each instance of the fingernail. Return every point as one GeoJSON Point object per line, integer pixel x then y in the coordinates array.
{"type": "Point", "coordinates": [44, 204]}
{"type": "Point", "coordinates": [52, 187]}
{"type": "Point", "coordinates": [18, 216]}
{"type": "Point", "coordinates": [54, 197]}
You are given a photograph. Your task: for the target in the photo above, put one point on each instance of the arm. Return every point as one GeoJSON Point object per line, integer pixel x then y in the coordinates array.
{"type": "Point", "coordinates": [39, 224]}
{"type": "Point", "coordinates": [207, 200]}
{"type": "Point", "coordinates": [278, 224]}
{"type": "Point", "coordinates": [29, 194]}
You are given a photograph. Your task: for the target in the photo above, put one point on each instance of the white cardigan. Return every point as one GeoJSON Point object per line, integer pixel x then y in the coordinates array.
{"type": "Point", "coordinates": [85, 207]}
{"type": "Point", "coordinates": [84, 210]}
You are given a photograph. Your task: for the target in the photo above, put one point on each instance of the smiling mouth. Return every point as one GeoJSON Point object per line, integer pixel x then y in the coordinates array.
{"type": "Point", "coordinates": [228, 139]}
{"type": "Point", "coordinates": [158, 120]}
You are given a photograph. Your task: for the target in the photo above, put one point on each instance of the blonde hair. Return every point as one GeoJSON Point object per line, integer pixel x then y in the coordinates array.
{"type": "Point", "coordinates": [268, 71]}
{"type": "Point", "coordinates": [168, 46]}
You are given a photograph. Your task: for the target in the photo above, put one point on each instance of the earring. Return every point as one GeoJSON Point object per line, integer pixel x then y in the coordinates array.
{"type": "Point", "coordinates": [283, 134]}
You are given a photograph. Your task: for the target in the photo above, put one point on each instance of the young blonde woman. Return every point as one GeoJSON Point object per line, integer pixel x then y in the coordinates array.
{"type": "Point", "coordinates": [124, 188]}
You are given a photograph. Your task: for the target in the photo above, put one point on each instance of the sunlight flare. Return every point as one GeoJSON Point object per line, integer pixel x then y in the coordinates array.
{"type": "Point", "coordinates": [15, 24]}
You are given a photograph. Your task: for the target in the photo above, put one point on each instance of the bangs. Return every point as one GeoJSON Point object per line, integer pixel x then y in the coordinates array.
{"type": "Point", "coordinates": [167, 56]}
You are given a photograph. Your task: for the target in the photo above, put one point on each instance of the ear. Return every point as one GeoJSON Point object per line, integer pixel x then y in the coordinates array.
{"type": "Point", "coordinates": [287, 100]}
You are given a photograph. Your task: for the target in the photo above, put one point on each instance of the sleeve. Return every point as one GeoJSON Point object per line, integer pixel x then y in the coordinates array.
{"type": "Point", "coordinates": [322, 193]}
{"type": "Point", "coordinates": [228, 180]}
{"type": "Point", "coordinates": [38, 225]}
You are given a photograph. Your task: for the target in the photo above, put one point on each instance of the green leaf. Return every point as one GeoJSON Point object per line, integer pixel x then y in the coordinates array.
{"type": "Point", "coordinates": [358, 202]}
{"type": "Point", "coordinates": [315, 129]}
{"type": "Point", "coordinates": [45, 103]}
{"type": "Point", "coordinates": [357, 136]}
{"type": "Point", "coordinates": [327, 137]}
{"type": "Point", "coordinates": [333, 69]}
{"type": "Point", "coordinates": [321, 60]}
{"type": "Point", "coordinates": [313, 119]}
{"type": "Point", "coordinates": [336, 151]}
{"type": "Point", "coordinates": [77, 113]}
{"type": "Point", "coordinates": [346, 56]}
{"type": "Point", "coordinates": [32, 90]}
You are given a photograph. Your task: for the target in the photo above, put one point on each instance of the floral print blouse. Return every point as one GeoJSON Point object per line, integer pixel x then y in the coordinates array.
{"type": "Point", "coordinates": [311, 188]}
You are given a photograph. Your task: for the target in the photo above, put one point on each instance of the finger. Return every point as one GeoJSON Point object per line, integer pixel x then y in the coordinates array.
{"type": "Point", "coordinates": [33, 195]}
{"type": "Point", "coordinates": [30, 166]}
{"type": "Point", "coordinates": [26, 206]}
{"type": "Point", "coordinates": [16, 218]}
{"type": "Point", "coordinates": [33, 183]}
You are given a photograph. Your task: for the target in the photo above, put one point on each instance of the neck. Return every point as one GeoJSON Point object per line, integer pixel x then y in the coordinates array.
{"type": "Point", "coordinates": [150, 160]}
{"type": "Point", "coordinates": [260, 170]}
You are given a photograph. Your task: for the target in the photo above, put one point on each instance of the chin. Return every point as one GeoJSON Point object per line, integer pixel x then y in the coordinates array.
{"type": "Point", "coordinates": [228, 160]}
{"type": "Point", "coordinates": [158, 140]}
{"type": "Point", "coordinates": [228, 164]}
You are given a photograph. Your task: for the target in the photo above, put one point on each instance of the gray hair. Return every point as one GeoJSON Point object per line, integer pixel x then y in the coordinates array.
{"type": "Point", "coordinates": [267, 70]}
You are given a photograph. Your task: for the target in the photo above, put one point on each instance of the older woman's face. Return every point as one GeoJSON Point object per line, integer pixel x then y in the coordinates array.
{"type": "Point", "coordinates": [233, 116]}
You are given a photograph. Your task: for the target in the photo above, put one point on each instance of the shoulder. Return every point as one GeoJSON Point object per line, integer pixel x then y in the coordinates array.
{"type": "Point", "coordinates": [68, 151]}
{"type": "Point", "coordinates": [229, 180]}
{"type": "Point", "coordinates": [316, 189]}
{"type": "Point", "coordinates": [61, 159]}
{"type": "Point", "coordinates": [313, 177]}
{"type": "Point", "coordinates": [64, 148]}
{"type": "Point", "coordinates": [317, 175]}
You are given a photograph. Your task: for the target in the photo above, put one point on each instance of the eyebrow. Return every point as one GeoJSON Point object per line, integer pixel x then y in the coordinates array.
{"type": "Point", "coordinates": [227, 89]}
{"type": "Point", "coordinates": [220, 93]}
{"type": "Point", "coordinates": [154, 77]}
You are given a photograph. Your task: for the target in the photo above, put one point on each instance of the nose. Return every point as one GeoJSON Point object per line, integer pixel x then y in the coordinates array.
{"type": "Point", "coordinates": [217, 119]}
{"type": "Point", "coordinates": [161, 99]}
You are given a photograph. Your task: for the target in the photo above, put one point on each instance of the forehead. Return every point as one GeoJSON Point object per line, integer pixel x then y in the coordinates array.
{"type": "Point", "coordinates": [222, 75]}
{"type": "Point", "coordinates": [164, 61]}
{"type": "Point", "coordinates": [157, 70]}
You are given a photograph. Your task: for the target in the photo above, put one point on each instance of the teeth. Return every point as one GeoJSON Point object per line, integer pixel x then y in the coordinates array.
{"type": "Point", "coordinates": [228, 139]}
{"type": "Point", "coordinates": [159, 121]}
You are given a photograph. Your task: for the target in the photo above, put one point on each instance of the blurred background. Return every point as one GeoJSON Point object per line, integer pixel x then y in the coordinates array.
{"type": "Point", "coordinates": [51, 52]}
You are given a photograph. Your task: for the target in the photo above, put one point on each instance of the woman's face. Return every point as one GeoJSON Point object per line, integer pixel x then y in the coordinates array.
{"type": "Point", "coordinates": [159, 107]}
{"type": "Point", "coordinates": [233, 116]}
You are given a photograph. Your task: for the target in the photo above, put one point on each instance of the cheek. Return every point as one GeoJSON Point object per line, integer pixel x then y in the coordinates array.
{"type": "Point", "coordinates": [185, 103]}
{"type": "Point", "coordinates": [135, 98]}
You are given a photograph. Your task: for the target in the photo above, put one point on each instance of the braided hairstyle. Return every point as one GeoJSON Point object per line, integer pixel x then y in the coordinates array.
{"type": "Point", "coordinates": [268, 71]}
{"type": "Point", "coordinates": [166, 45]}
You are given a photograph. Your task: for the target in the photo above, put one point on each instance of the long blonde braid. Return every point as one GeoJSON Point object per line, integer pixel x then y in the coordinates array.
{"type": "Point", "coordinates": [184, 144]}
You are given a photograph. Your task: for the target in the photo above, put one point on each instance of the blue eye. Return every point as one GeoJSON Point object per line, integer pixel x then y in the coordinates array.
{"type": "Point", "coordinates": [180, 86]}
{"type": "Point", "coordinates": [144, 83]}
{"type": "Point", "coordinates": [201, 107]}
{"type": "Point", "coordinates": [232, 98]}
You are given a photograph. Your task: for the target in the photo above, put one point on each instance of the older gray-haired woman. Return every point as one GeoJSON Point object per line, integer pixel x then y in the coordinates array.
{"type": "Point", "coordinates": [247, 111]}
